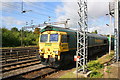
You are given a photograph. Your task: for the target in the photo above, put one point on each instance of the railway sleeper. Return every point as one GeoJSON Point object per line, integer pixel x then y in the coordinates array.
{"type": "Point", "coordinates": [20, 62]}
{"type": "Point", "coordinates": [39, 73]}
{"type": "Point", "coordinates": [6, 69]}
{"type": "Point", "coordinates": [18, 59]}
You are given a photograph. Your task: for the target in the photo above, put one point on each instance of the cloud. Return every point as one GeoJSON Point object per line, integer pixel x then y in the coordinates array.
{"type": "Point", "coordinates": [12, 21]}
{"type": "Point", "coordinates": [100, 0]}
{"type": "Point", "coordinates": [102, 29]}
{"type": "Point", "coordinates": [53, 0]}
{"type": "Point", "coordinates": [10, 6]}
{"type": "Point", "coordinates": [39, 0]}
{"type": "Point", "coordinates": [97, 9]}
{"type": "Point", "coordinates": [68, 11]}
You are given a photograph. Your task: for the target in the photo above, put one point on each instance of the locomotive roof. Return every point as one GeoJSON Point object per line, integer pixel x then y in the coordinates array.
{"type": "Point", "coordinates": [54, 28]}
{"type": "Point", "coordinates": [97, 36]}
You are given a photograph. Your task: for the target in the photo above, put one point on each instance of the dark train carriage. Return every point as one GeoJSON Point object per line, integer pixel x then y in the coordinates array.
{"type": "Point", "coordinates": [97, 43]}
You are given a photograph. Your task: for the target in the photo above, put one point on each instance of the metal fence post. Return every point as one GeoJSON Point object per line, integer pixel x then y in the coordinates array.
{"type": "Point", "coordinates": [28, 54]}
{"type": "Point", "coordinates": [17, 56]}
{"type": "Point", "coordinates": [5, 58]}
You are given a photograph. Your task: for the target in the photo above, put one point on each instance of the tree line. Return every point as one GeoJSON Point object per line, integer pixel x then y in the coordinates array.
{"type": "Point", "coordinates": [13, 37]}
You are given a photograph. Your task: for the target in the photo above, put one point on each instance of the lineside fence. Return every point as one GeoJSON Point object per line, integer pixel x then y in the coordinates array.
{"type": "Point", "coordinates": [17, 54]}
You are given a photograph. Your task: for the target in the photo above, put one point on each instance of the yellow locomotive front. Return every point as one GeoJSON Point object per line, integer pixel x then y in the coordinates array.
{"type": "Point", "coordinates": [51, 44]}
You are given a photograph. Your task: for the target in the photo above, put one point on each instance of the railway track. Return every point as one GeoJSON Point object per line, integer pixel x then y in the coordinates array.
{"type": "Point", "coordinates": [26, 71]}
{"type": "Point", "coordinates": [16, 61]}
{"type": "Point", "coordinates": [22, 64]}
{"type": "Point", "coordinates": [35, 74]}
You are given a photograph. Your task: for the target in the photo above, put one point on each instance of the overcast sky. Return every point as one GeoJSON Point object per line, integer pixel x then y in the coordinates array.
{"type": "Point", "coordinates": [58, 10]}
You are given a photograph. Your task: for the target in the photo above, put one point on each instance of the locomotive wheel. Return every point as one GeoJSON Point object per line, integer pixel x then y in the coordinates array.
{"type": "Point", "coordinates": [40, 57]}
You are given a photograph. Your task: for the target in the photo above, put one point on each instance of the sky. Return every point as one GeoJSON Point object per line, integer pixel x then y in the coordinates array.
{"type": "Point", "coordinates": [39, 11]}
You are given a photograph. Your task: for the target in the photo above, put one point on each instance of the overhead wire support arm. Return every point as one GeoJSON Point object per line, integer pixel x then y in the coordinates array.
{"type": "Point", "coordinates": [22, 8]}
{"type": "Point", "coordinates": [47, 24]}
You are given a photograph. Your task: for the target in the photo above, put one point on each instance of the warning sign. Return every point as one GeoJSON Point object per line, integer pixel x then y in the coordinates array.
{"type": "Point", "coordinates": [76, 58]}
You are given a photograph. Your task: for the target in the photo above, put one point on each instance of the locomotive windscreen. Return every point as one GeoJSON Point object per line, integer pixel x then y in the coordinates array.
{"type": "Point", "coordinates": [53, 37]}
{"type": "Point", "coordinates": [44, 38]}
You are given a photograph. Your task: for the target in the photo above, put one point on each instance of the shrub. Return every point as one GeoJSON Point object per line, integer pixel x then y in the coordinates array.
{"type": "Point", "coordinates": [12, 38]}
{"type": "Point", "coordinates": [96, 74]}
{"type": "Point", "coordinates": [94, 65]}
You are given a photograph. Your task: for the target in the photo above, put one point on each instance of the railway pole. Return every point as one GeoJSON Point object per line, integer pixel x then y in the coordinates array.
{"type": "Point", "coordinates": [22, 31]}
{"type": "Point", "coordinates": [110, 34]}
{"type": "Point", "coordinates": [116, 30]}
{"type": "Point", "coordinates": [82, 41]}
{"type": "Point", "coordinates": [22, 36]}
{"type": "Point", "coordinates": [66, 23]}
{"type": "Point", "coordinates": [109, 38]}
{"type": "Point", "coordinates": [109, 44]}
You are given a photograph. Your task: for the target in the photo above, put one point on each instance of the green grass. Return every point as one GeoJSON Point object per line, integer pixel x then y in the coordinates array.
{"type": "Point", "coordinates": [96, 66]}
{"type": "Point", "coordinates": [71, 75]}
{"type": "Point", "coordinates": [106, 58]}
{"type": "Point", "coordinates": [96, 74]}
{"type": "Point", "coordinates": [108, 69]}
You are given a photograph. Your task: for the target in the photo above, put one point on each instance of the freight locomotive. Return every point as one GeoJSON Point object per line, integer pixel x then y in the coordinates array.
{"type": "Point", "coordinates": [57, 46]}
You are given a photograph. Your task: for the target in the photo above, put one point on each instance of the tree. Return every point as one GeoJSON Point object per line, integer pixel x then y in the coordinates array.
{"type": "Point", "coordinates": [95, 32]}
{"type": "Point", "coordinates": [14, 29]}
{"type": "Point", "coordinates": [9, 39]}
{"type": "Point", "coordinates": [37, 30]}
{"type": "Point", "coordinates": [12, 38]}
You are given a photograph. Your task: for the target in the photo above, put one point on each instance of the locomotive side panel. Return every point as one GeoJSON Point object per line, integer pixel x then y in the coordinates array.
{"type": "Point", "coordinates": [72, 41]}
{"type": "Point", "coordinates": [96, 44]}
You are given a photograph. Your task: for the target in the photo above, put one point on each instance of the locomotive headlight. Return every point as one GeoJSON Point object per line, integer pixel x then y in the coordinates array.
{"type": "Point", "coordinates": [40, 50]}
{"type": "Point", "coordinates": [56, 52]}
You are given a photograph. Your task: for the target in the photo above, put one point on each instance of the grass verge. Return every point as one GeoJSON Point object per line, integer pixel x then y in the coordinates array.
{"type": "Point", "coordinates": [96, 66]}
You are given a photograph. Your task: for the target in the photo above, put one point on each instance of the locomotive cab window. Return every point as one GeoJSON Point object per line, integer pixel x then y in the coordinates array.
{"type": "Point", "coordinates": [64, 39]}
{"type": "Point", "coordinates": [54, 37]}
{"type": "Point", "coordinates": [44, 38]}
